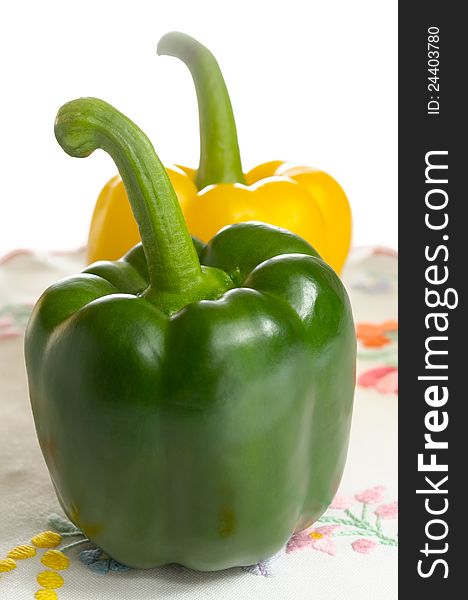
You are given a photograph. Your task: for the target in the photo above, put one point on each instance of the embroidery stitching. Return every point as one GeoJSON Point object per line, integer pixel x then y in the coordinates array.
{"type": "Point", "coordinates": [339, 521]}
{"type": "Point", "coordinates": [13, 319]}
{"type": "Point", "coordinates": [379, 342]}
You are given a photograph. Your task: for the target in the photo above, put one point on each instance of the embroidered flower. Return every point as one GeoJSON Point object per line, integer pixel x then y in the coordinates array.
{"type": "Point", "coordinates": [47, 539]}
{"type": "Point", "coordinates": [373, 335]}
{"type": "Point", "coordinates": [299, 541]}
{"type": "Point", "coordinates": [46, 594]}
{"type": "Point", "coordinates": [384, 251]}
{"type": "Point", "coordinates": [341, 502]}
{"type": "Point", "coordinates": [318, 538]}
{"type": "Point", "coordinates": [364, 546]}
{"type": "Point", "coordinates": [7, 564]}
{"type": "Point", "coordinates": [13, 319]}
{"type": "Point", "coordinates": [22, 552]}
{"type": "Point", "coordinates": [55, 559]}
{"type": "Point", "coordinates": [325, 530]}
{"type": "Point", "coordinates": [382, 379]}
{"type": "Point", "coordinates": [324, 544]}
{"type": "Point", "coordinates": [264, 567]}
{"type": "Point", "coordinates": [8, 328]}
{"type": "Point", "coordinates": [387, 511]}
{"type": "Point", "coordinates": [371, 495]}
{"type": "Point", "coordinates": [50, 580]}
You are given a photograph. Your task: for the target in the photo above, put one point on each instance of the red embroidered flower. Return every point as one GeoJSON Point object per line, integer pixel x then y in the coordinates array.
{"type": "Point", "coordinates": [382, 379]}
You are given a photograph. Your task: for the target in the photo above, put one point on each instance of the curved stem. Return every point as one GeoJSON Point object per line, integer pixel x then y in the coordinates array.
{"type": "Point", "coordinates": [219, 149]}
{"type": "Point", "coordinates": [86, 124]}
{"type": "Point", "coordinates": [75, 544]}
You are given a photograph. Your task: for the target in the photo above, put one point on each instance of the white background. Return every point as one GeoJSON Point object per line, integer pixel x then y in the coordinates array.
{"type": "Point", "coordinates": [310, 81]}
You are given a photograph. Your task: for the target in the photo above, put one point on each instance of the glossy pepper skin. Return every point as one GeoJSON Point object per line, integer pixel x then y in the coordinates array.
{"type": "Point", "coordinates": [302, 199]}
{"type": "Point", "coordinates": [193, 402]}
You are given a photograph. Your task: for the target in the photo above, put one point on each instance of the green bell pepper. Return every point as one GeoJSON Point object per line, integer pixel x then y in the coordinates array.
{"type": "Point", "coordinates": [192, 408]}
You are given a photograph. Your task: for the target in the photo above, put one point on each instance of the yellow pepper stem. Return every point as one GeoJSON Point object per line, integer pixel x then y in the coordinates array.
{"type": "Point", "coordinates": [219, 149]}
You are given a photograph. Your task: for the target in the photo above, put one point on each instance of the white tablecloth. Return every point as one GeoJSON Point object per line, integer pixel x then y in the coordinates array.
{"type": "Point", "coordinates": [344, 556]}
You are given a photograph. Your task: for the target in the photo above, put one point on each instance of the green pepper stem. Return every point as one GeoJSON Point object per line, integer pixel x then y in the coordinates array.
{"type": "Point", "coordinates": [219, 149]}
{"type": "Point", "coordinates": [87, 124]}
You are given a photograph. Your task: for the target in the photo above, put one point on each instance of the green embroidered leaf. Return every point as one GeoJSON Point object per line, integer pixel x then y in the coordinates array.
{"type": "Point", "coordinates": [61, 524]}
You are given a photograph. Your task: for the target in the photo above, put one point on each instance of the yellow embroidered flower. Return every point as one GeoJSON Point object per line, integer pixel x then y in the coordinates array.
{"type": "Point", "coordinates": [50, 580]}
{"type": "Point", "coordinates": [22, 552]}
{"type": "Point", "coordinates": [46, 595]}
{"type": "Point", "coordinates": [55, 559]}
{"type": "Point", "coordinates": [47, 539]}
{"type": "Point", "coordinates": [6, 565]}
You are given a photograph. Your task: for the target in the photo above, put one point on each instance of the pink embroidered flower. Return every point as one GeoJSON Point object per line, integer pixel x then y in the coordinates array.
{"type": "Point", "coordinates": [364, 546]}
{"type": "Point", "coordinates": [384, 251]}
{"type": "Point", "coordinates": [319, 539]}
{"type": "Point", "coordinates": [299, 541]}
{"type": "Point", "coordinates": [387, 511]}
{"type": "Point", "coordinates": [382, 379]}
{"type": "Point", "coordinates": [327, 530]}
{"type": "Point", "coordinates": [372, 495]}
{"type": "Point", "coordinates": [7, 328]}
{"type": "Point", "coordinates": [7, 257]}
{"type": "Point", "coordinates": [324, 544]}
{"type": "Point", "coordinates": [341, 502]}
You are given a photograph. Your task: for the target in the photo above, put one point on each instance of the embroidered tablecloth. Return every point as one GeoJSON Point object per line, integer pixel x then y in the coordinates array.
{"type": "Point", "coordinates": [350, 553]}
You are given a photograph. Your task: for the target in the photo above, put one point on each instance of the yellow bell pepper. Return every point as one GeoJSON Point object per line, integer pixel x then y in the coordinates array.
{"type": "Point", "coordinates": [113, 228]}
{"type": "Point", "coordinates": [307, 201]}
